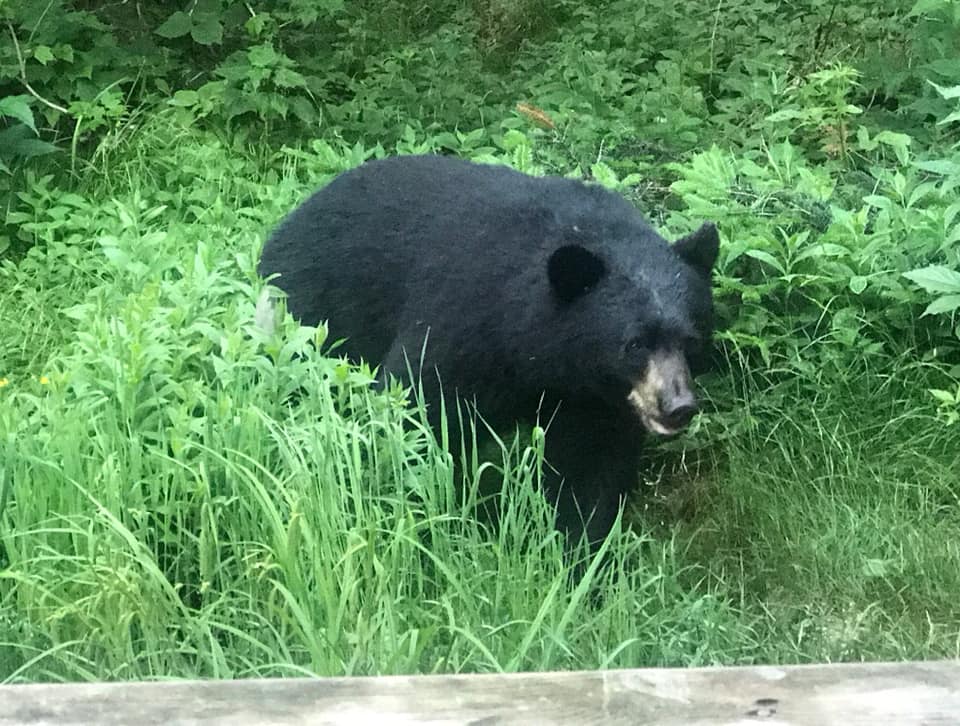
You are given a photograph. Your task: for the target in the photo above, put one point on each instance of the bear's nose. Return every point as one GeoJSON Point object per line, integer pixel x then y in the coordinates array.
{"type": "Point", "coordinates": [678, 412]}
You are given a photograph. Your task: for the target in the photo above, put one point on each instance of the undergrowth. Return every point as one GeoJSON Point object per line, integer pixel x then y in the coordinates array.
{"type": "Point", "coordinates": [193, 485]}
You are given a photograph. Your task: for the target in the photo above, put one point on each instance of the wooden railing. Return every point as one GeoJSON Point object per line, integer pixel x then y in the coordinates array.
{"type": "Point", "coordinates": [819, 695]}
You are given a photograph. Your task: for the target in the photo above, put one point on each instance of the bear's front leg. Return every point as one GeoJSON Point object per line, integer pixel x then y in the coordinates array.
{"type": "Point", "coordinates": [418, 370]}
{"type": "Point", "coordinates": [592, 461]}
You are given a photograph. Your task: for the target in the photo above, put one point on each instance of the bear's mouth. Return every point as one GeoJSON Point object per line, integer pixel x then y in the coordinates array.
{"type": "Point", "coordinates": [663, 398]}
{"type": "Point", "coordinates": [657, 427]}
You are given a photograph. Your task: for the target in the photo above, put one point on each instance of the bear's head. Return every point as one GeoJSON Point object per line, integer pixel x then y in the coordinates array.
{"type": "Point", "coordinates": [641, 317]}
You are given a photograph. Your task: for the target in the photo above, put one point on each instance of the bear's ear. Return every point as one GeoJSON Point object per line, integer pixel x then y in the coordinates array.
{"type": "Point", "coordinates": [573, 271]}
{"type": "Point", "coordinates": [699, 249]}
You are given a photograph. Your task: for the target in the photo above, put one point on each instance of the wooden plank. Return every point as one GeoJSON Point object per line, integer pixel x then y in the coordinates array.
{"type": "Point", "coordinates": [819, 695]}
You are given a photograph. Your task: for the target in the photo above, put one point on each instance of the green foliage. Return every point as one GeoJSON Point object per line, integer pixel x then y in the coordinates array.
{"type": "Point", "coordinates": [933, 54]}
{"type": "Point", "coordinates": [820, 104]}
{"type": "Point", "coordinates": [941, 280]}
{"type": "Point", "coordinates": [948, 404]}
{"type": "Point", "coordinates": [18, 142]}
{"type": "Point", "coordinates": [191, 484]}
{"type": "Point", "coordinates": [226, 501]}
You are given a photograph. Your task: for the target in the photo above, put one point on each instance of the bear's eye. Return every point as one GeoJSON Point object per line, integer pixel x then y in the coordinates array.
{"type": "Point", "coordinates": [635, 345]}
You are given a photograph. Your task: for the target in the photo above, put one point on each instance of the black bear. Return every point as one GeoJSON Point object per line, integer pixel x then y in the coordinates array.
{"type": "Point", "coordinates": [530, 297]}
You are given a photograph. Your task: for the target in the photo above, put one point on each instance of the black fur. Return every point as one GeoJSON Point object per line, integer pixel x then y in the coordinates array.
{"type": "Point", "coordinates": [542, 296]}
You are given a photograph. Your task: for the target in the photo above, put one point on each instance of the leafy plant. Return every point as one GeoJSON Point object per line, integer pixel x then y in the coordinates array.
{"type": "Point", "coordinates": [19, 140]}
{"type": "Point", "coordinates": [819, 107]}
{"type": "Point", "coordinates": [941, 281]}
{"type": "Point", "coordinates": [18, 143]}
{"type": "Point", "coordinates": [190, 485]}
{"type": "Point", "coordinates": [948, 404]}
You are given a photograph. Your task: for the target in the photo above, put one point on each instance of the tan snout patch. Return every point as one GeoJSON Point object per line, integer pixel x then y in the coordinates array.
{"type": "Point", "coordinates": [667, 371]}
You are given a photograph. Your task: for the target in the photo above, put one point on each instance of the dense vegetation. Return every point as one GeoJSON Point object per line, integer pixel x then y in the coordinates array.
{"type": "Point", "coordinates": [188, 488]}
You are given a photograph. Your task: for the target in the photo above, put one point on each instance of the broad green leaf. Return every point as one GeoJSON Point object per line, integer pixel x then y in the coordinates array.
{"type": "Point", "coordinates": [785, 115]}
{"type": "Point", "coordinates": [17, 141]}
{"type": "Point", "coordinates": [858, 283]}
{"type": "Point", "coordinates": [766, 257]}
{"type": "Point", "coordinates": [943, 167]}
{"type": "Point", "coordinates": [28, 148]}
{"type": "Point", "coordinates": [946, 397]}
{"type": "Point", "coordinates": [176, 26]}
{"type": "Point", "coordinates": [951, 213]}
{"type": "Point", "coordinates": [604, 175]}
{"type": "Point", "coordinates": [900, 143]}
{"type": "Point", "coordinates": [955, 116]}
{"type": "Point", "coordinates": [920, 192]}
{"type": "Point", "coordinates": [953, 236]}
{"type": "Point", "coordinates": [945, 304]}
{"type": "Point", "coordinates": [875, 200]}
{"type": "Point", "coordinates": [207, 30]}
{"type": "Point", "coordinates": [263, 56]}
{"type": "Point", "coordinates": [892, 138]}
{"type": "Point", "coordinates": [255, 25]}
{"type": "Point", "coordinates": [946, 91]}
{"type": "Point", "coordinates": [43, 54]}
{"type": "Point", "coordinates": [303, 109]}
{"type": "Point", "coordinates": [184, 98]}
{"type": "Point", "coordinates": [18, 107]}
{"type": "Point", "coordinates": [64, 52]}
{"type": "Point", "coordinates": [117, 256]}
{"type": "Point", "coordinates": [935, 278]}
{"type": "Point", "coordinates": [513, 139]}
{"type": "Point", "coordinates": [286, 78]}
{"type": "Point", "coordinates": [826, 249]}
{"type": "Point", "coordinates": [948, 67]}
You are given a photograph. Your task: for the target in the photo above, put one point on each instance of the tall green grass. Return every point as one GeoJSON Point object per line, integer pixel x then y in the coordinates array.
{"type": "Point", "coordinates": [189, 491]}
{"type": "Point", "coordinates": [834, 511]}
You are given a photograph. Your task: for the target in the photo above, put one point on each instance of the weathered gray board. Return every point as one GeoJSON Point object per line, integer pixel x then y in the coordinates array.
{"type": "Point", "coordinates": [819, 695]}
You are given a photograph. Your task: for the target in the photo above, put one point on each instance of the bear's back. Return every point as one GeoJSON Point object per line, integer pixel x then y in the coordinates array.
{"type": "Point", "coordinates": [420, 236]}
